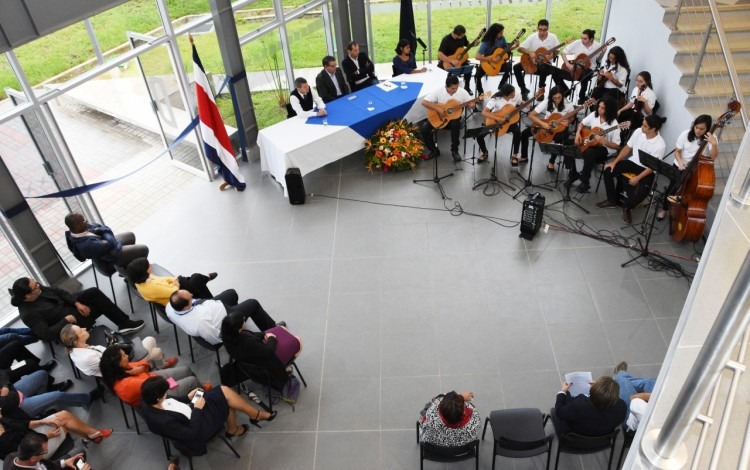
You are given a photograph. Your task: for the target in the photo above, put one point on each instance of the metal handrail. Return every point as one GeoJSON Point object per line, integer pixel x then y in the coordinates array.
{"type": "Point", "coordinates": [699, 62]}
{"type": "Point", "coordinates": [676, 16]}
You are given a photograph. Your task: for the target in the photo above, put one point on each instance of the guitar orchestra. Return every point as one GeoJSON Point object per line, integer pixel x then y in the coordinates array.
{"type": "Point", "coordinates": [608, 127]}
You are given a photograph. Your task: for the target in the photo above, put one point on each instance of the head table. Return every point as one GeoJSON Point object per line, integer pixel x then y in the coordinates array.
{"type": "Point", "coordinates": [308, 144]}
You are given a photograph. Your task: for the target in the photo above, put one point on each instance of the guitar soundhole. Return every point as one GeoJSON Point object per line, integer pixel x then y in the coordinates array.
{"type": "Point", "coordinates": [449, 110]}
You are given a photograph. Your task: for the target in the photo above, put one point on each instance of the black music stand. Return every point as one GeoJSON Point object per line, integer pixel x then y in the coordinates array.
{"type": "Point", "coordinates": [566, 151]}
{"type": "Point", "coordinates": [527, 182]}
{"type": "Point", "coordinates": [492, 179]}
{"type": "Point", "coordinates": [659, 167]}
{"type": "Point", "coordinates": [436, 179]}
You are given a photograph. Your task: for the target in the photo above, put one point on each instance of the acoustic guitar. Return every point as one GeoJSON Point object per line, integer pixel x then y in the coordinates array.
{"type": "Point", "coordinates": [589, 135]}
{"type": "Point", "coordinates": [582, 62]}
{"type": "Point", "coordinates": [509, 114]}
{"type": "Point", "coordinates": [451, 110]}
{"type": "Point", "coordinates": [492, 67]}
{"type": "Point", "coordinates": [530, 63]}
{"type": "Point", "coordinates": [555, 121]}
{"type": "Point", "coordinates": [461, 55]}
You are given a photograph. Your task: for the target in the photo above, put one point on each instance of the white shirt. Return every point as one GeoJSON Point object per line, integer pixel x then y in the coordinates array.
{"type": "Point", "coordinates": [297, 107]}
{"type": "Point", "coordinates": [87, 359]}
{"type": "Point", "coordinates": [532, 43]}
{"type": "Point", "coordinates": [496, 104]}
{"type": "Point", "coordinates": [593, 120]}
{"type": "Point", "coordinates": [170, 404]}
{"type": "Point", "coordinates": [576, 47]}
{"type": "Point", "coordinates": [335, 82]}
{"type": "Point", "coordinates": [637, 410]}
{"type": "Point", "coordinates": [638, 141]}
{"type": "Point", "coordinates": [650, 96]}
{"type": "Point", "coordinates": [441, 96]}
{"type": "Point", "coordinates": [688, 149]}
{"type": "Point", "coordinates": [621, 74]}
{"type": "Point", "coordinates": [541, 108]}
{"type": "Point", "coordinates": [202, 320]}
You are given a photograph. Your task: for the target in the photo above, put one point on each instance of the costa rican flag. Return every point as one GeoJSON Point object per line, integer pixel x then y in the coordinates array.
{"type": "Point", "coordinates": [216, 142]}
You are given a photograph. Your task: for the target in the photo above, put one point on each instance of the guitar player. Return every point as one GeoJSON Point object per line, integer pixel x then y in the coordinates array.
{"type": "Point", "coordinates": [506, 96]}
{"type": "Point", "coordinates": [448, 46]}
{"type": "Point", "coordinates": [493, 40]}
{"type": "Point", "coordinates": [542, 38]}
{"type": "Point", "coordinates": [441, 96]}
{"type": "Point", "coordinates": [585, 45]}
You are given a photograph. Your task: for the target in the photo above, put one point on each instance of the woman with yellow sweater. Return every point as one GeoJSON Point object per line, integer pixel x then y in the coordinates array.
{"type": "Point", "coordinates": [158, 288]}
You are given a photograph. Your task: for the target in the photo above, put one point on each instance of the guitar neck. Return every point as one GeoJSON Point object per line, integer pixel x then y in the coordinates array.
{"type": "Point", "coordinates": [608, 130]}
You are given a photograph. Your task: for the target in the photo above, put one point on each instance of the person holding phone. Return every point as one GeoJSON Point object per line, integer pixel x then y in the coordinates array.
{"type": "Point", "coordinates": [195, 418]}
{"type": "Point", "coordinates": [32, 453]}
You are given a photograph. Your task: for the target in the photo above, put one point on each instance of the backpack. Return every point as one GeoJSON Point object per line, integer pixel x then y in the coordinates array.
{"type": "Point", "coordinates": [290, 392]}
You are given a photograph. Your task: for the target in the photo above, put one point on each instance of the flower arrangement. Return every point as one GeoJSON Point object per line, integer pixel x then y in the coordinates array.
{"type": "Point", "coordinates": [395, 146]}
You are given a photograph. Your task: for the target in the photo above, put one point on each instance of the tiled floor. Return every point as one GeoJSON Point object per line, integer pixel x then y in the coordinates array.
{"type": "Point", "coordinates": [396, 304]}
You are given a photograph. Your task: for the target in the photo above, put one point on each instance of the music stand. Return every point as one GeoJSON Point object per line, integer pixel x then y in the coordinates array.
{"type": "Point", "coordinates": [436, 179]}
{"type": "Point", "coordinates": [492, 179]}
{"type": "Point", "coordinates": [527, 182]}
{"type": "Point", "coordinates": [566, 151]}
{"type": "Point", "coordinates": [659, 167]}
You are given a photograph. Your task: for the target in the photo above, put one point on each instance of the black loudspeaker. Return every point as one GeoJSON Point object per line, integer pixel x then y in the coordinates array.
{"type": "Point", "coordinates": [294, 186]}
{"type": "Point", "coordinates": [531, 218]}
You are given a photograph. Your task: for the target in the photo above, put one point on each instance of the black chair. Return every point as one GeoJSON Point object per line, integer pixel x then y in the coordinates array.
{"type": "Point", "coordinates": [628, 436]}
{"type": "Point", "coordinates": [260, 376]}
{"type": "Point", "coordinates": [519, 433]}
{"type": "Point", "coordinates": [108, 270]}
{"type": "Point", "coordinates": [447, 454]}
{"type": "Point", "coordinates": [188, 452]}
{"type": "Point", "coordinates": [125, 416]}
{"type": "Point", "coordinates": [158, 309]}
{"type": "Point", "coordinates": [207, 345]}
{"type": "Point", "coordinates": [572, 443]}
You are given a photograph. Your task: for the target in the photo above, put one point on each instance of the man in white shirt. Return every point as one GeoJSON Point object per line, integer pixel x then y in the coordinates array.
{"type": "Point", "coordinates": [431, 101]}
{"type": "Point", "coordinates": [542, 38]}
{"type": "Point", "coordinates": [203, 317]}
{"type": "Point", "coordinates": [586, 45]}
{"type": "Point", "coordinates": [304, 101]}
{"type": "Point", "coordinates": [330, 82]}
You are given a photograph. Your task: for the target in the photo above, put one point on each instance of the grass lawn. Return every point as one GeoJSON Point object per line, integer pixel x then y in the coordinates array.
{"type": "Point", "coordinates": [49, 56]}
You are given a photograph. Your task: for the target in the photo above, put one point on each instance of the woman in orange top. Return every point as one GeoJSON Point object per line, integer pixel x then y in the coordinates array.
{"type": "Point", "coordinates": [124, 378]}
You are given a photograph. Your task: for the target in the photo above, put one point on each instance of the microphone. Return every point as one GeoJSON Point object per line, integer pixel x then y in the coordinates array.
{"type": "Point", "coordinates": [419, 40]}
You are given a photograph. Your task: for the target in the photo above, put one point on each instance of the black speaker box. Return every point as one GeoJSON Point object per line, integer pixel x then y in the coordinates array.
{"type": "Point", "coordinates": [294, 186]}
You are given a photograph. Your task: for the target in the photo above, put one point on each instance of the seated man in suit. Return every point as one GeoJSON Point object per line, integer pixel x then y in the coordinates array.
{"type": "Point", "coordinates": [330, 82]}
{"type": "Point", "coordinates": [46, 310]}
{"type": "Point", "coordinates": [203, 317]}
{"type": "Point", "coordinates": [304, 100]}
{"type": "Point", "coordinates": [597, 414]}
{"type": "Point", "coordinates": [95, 241]}
{"type": "Point", "coordinates": [359, 69]}
{"type": "Point", "coordinates": [32, 453]}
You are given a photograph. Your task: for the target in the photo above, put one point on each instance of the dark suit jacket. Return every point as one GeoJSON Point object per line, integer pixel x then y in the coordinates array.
{"type": "Point", "coordinates": [9, 465]}
{"type": "Point", "coordinates": [366, 68]}
{"type": "Point", "coordinates": [46, 315]}
{"type": "Point", "coordinates": [248, 347]}
{"type": "Point", "coordinates": [579, 415]}
{"type": "Point", "coordinates": [327, 89]}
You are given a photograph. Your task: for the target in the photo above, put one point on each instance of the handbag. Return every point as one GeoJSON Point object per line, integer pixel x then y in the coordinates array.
{"type": "Point", "coordinates": [100, 335]}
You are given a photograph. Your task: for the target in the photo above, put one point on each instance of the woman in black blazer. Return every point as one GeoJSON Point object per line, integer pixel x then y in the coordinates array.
{"type": "Point", "coordinates": [193, 424]}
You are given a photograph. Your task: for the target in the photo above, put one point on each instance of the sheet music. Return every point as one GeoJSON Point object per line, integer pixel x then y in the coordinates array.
{"type": "Point", "coordinates": [580, 382]}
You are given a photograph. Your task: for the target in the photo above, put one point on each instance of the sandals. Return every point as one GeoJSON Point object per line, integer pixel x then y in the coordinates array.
{"type": "Point", "coordinates": [100, 435]}
{"type": "Point", "coordinates": [242, 428]}
{"type": "Point", "coordinates": [513, 161]}
{"type": "Point", "coordinates": [551, 169]}
{"type": "Point", "coordinates": [482, 158]}
{"type": "Point", "coordinates": [522, 159]}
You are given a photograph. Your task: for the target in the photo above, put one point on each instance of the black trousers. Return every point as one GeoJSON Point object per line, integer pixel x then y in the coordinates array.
{"type": "Point", "coordinates": [543, 70]}
{"type": "Point", "coordinates": [454, 126]}
{"type": "Point", "coordinates": [526, 135]}
{"type": "Point", "coordinates": [614, 188]}
{"type": "Point", "coordinates": [506, 69]}
{"type": "Point", "coordinates": [100, 305]}
{"type": "Point", "coordinates": [591, 157]}
{"type": "Point", "coordinates": [514, 129]}
{"type": "Point", "coordinates": [16, 350]}
{"type": "Point", "coordinates": [252, 309]}
{"type": "Point", "coordinates": [196, 285]}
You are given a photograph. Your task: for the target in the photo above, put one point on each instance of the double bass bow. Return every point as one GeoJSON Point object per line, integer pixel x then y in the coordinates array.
{"type": "Point", "coordinates": [688, 207]}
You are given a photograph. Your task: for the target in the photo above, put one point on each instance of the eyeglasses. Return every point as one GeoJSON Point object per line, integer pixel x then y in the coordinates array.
{"type": "Point", "coordinates": [542, 29]}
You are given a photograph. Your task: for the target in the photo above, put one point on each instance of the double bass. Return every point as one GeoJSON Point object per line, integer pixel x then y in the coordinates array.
{"type": "Point", "coordinates": [687, 209]}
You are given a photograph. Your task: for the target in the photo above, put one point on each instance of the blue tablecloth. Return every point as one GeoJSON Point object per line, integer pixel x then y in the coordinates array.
{"type": "Point", "coordinates": [353, 113]}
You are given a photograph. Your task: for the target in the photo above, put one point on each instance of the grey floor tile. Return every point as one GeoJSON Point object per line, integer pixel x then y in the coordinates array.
{"type": "Point", "coordinates": [619, 300]}
{"type": "Point", "coordinates": [602, 263]}
{"type": "Point", "coordinates": [400, 239]}
{"type": "Point", "coordinates": [532, 390]}
{"type": "Point", "coordinates": [666, 296]}
{"type": "Point", "coordinates": [667, 327]}
{"type": "Point", "coordinates": [350, 356]}
{"type": "Point", "coordinates": [451, 237]}
{"type": "Point", "coordinates": [356, 275]}
{"type": "Point", "coordinates": [394, 270]}
{"type": "Point", "coordinates": [308, 276]}
{"type": "Point", "coordinates": [358, 241]}
{"type": "Point", "coordinates": [464, 360]}
{"type": "Point", "coordinates": [350, 404]}
{"type": "Point", "coordinates": [309, 243]}
{"type": "Point", "coordinates": [406, 310]}
{"type": "Point", "coordinates": [555, 265]}
{"type": "Point", "coordinates": [299, 450]}
{"type": "Point", "coordinates": [422, 359]}
{"type": "Point", "coordinates": [523, 349]}
{"type": "Point", "coordinates": [566, 302]}
{"type": "Point", "coordinates": [515, 304]}
{"type": "Point", "coordinates": [636, 341]}
{"type": "Point", "coordinates": [566, 341]}
{"type": "Point", "coordinates": [402, 398]}
{"type": "Point", "coordinates": [352, 312]}
{"type": "Point", "coordinates": [337, 450]}
{"type": "Point", "coordinates": [399, 450]}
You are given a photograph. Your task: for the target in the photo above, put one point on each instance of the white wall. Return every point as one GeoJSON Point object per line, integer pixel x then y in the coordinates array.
{"type": "Point", "coordinates": [638, 27]}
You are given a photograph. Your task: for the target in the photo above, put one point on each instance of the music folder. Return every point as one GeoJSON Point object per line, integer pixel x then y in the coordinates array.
{"type": "Point", "coordinates": [658, 165]}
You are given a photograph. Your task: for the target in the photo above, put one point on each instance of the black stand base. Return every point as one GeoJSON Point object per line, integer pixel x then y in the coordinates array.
{"type": "Point", "coordinates": [527, 182]}
{"type": "Point", "coordinates": [436, 179]}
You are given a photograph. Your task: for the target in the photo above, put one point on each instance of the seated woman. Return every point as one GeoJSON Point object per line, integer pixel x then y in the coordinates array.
{"type": "Point", "coordinates": [159, 288]}
{"type": "Point", "coordinates": [193, 424]}
{"type": "Point", "coordinates": [554, 104]}
{"type": "Point", "coordinates": [32, 395]}
{"type": "Point", "coordinates": [125, 378]}
{"type": "Point", "coordinates": [272, 350]}
{"type": "Point", "coordinates": [55, 427]}
{"type": "Point", "coordinates": [404, 62]}
{"type": "Point", "coordinates": [641, 104]}
{"type": "Point", "coordinates": [450, 420]}
{"type": "Point", "coordinates": [87, 357]}
{"type": "Point", "coordinates": [597, 414]}
{"type": "Point", "coordinates": [613, 75]}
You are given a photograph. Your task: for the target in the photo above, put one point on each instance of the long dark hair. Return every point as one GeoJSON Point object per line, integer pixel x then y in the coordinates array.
{"type": "Point", "coordinates": [702, 119]}
{"type": "Point", "coordinates": [138, 270]}
{"type": "Point", "coordinates": [110, 366]}
{"type": "Point", "coordinates": [400, 46]}
{"type": "Point", "coordinates": [551, 104]}
{"type": "Point", "coordinates": [230, 326]}
{"type": "Point", "coordinates": [492, 33]}
{"type": "Point", "coordinates": [655, 121]}
{"type": "Point", "coordinates": [620, 58]}
{"type": "Point", "coordinates": [646, 78]}
{"type": "Point", "coordinates": [610, 108]}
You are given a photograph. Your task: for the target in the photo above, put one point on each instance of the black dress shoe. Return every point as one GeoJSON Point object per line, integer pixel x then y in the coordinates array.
{"type": "Point", "coordinates": [583, 187]}
{"type": "Point", "coordinates": [281, 323]}
{"type": "Point", "coordinates": [61, 386]}
{"type": "Point", "coordinates": [606, 204]}
{"type": "Point", "coordinates": [434, 154]}
{"type": "Point", "coordinates": [456, 156]}
{"type": "Point", "coordinates": [48, 366]}
{"type": "Point", "coordinates": [212, 276]}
